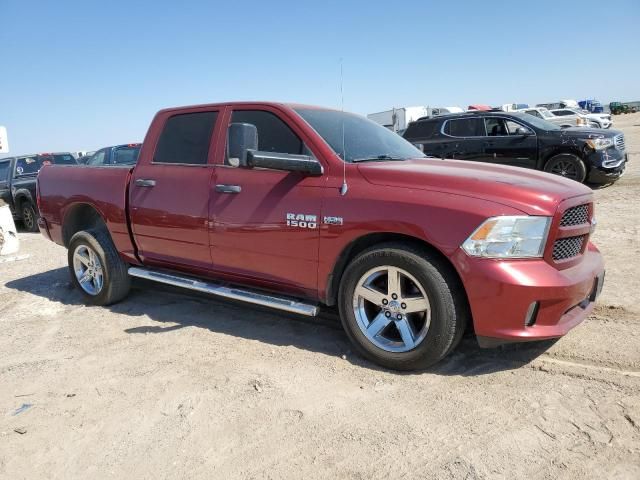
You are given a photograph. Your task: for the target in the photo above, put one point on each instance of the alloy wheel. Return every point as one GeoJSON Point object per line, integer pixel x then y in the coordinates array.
{"type": "Point", "coordinates": [392, 309]}
{"type": "Point", "coordinates": [88, 269]}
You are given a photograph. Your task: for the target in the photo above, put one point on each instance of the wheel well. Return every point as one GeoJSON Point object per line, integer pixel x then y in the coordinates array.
{"type": "Point", "coordinates": [361, 244]}
{"type": "Point", "coordinates": [80, 217]}
{"type": "Point", "coordinates": [561, 150]}
{"type": "Point", "coordinates": [21, 198]}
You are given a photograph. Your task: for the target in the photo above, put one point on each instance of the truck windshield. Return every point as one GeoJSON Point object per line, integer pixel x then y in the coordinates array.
{"type": "Point", "coordinates": [363, 139]}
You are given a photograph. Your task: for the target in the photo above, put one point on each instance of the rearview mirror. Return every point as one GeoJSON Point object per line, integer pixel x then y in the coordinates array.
{"type": "Point", "coordinates": [284, 161]}
{"type": "Point", "coordinates": [242, 138]}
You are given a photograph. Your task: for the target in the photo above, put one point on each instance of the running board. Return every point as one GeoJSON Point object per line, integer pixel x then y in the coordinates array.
{"type": "Point", "coordinates": [248, 296]}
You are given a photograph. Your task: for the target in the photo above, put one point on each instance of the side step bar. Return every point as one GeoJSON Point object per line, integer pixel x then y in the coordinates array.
{"type": "Point", "coordinates": [248, 296]}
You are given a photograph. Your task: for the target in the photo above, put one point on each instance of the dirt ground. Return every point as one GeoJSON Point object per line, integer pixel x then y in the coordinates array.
{"type": "Point", "coordinates": [168, 385]}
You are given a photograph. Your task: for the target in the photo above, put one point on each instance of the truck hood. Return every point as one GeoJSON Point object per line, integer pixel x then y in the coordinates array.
{"type": "Point", "coordinates": [530, 191]}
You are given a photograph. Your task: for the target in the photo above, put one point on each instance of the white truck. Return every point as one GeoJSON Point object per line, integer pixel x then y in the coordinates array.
{"type": "Point", "coordinates": [398, 119]}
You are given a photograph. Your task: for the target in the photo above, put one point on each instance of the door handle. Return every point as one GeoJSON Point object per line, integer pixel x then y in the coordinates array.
{"type": "Point", "coordinates": [145, 182]}
{"type": "Point", "coordinates": [228, 188]}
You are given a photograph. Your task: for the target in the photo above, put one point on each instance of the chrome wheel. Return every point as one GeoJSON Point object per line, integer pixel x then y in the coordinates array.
{"type": "Point", "coordinates": [88, 269]}
{"type": "Point", "coordinates": [392, 309]}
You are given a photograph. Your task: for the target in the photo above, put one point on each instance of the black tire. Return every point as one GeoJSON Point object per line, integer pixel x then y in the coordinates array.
{"type": "Point", "coordinates": [116, 282]}
{"type": "Point", "coordinates": [29, 216]}
{"type": "Point", "coordinates": [448, 305]}
{"type": "Point", "coordinates": [567, 165]}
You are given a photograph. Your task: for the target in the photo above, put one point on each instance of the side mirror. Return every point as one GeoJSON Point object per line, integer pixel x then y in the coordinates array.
{"type": "Point", "coordinates": [242, 138]}
{"type": "Point", "coordinates": [284, 161]}
{"type": "Point", "coordinates": [523, 131]}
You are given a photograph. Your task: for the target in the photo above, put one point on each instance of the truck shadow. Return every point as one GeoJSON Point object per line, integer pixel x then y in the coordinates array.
{"type": "Point", "coordinates": [163, 309]}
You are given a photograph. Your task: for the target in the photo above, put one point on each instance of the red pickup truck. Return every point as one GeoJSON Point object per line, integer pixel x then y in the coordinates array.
{"type": "Point", "coordinates": [293, 207]}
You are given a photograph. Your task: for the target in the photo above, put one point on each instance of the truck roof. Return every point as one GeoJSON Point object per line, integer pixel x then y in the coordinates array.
{"type": "Point", "coordinates": [245, 102]}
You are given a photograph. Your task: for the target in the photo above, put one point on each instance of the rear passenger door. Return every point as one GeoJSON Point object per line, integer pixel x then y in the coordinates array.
{"type": "Point", "coordinates": [464, 138]}
{"type": "Point", "coordinates": [170, 189]}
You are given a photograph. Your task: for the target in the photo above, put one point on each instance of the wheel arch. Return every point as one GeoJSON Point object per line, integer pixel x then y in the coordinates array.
{"type": "Point", "coordinates": [81, 216]}
{"type": "Point", "coordinates": [562, 150]}
{"type": "Point", "coordinates": [364, 242]}
{"type": "Point", "coordinates": [22, 196]}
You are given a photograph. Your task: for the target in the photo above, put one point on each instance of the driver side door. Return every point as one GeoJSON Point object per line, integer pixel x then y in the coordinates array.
{"type": "Point", "coordinates": [264, 224]}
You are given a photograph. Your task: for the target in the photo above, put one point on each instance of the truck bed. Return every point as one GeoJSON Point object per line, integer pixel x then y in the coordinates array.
{"type": "Point", "coordinates": [63, 188]}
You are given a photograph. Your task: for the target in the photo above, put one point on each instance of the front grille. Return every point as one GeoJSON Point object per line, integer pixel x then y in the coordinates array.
{"type": "Point", "coordinates": [578, 215]}
{"type": "Point", "coordinates": [619, 141]}
{"type": "Point", "coordinates": [568, 247]}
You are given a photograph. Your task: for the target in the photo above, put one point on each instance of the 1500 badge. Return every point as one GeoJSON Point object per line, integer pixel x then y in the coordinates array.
{"type": "Point", "coordinates": [301, 220]}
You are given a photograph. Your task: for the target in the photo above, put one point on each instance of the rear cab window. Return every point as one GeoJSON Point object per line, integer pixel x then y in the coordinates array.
{"type": "Point", "coordinates": [126, 154]}
{"type": "Point", "coordinates": [185, 139]}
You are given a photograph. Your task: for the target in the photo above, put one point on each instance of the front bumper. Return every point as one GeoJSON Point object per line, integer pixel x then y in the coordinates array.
{"type": "Point", "coordinates": [598, 173]}
{"type": "Point", "coordinates": [500, 293]}
{"type": "Point", "coordinates": [43, 226]}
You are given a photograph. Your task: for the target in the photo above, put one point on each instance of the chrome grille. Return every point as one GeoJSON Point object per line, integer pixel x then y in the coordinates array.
{"type": "Point", "coordinates": [578, 215]}
{"type": "Point", "coordinates": [564, 248]}
{"type": "Point", "coordinates": [619, 141]}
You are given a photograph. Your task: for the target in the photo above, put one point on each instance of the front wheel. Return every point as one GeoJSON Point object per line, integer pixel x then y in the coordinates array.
{"type": "Point", "coordinates": [401, 307]}
{"type": "Point", "coordinates": [567, 165]}
{"type": "Point", "coordinates": [96, 268]}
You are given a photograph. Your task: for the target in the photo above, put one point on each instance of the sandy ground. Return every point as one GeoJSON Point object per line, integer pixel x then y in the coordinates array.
{"type": "Point", "coordinates": [167, 385]}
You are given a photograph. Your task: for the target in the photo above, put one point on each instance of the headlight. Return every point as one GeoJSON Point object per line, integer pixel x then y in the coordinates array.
{"type": "Point", "coordinates": [600, 143]}
{"type": "Point", "coordinates": [509, 237]}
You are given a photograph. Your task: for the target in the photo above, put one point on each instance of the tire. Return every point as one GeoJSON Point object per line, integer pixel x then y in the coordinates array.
{"type": "Point", "coordinates": [567, 165]}
{"type": "Point", "coordinates": [434, 331]}
{"type": "Point", "coordinates": [29, 216]}
{"type": "Point", "coordinates": [108, 280]}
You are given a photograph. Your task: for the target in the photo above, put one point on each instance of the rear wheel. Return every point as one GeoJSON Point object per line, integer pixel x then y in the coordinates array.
{"type": "Point", "coordinates": [401, 307]}
{"type": "Point", "coordinates": [567, 165]}
{"type": "Point", "coordinates": [96, 268]}
{"type": "Point", "coordinates": [29, 217]}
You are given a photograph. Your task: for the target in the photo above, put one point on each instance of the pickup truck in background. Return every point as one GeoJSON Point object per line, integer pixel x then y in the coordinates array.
{"type": "Point", "coordinates": [18, 183]}
{"type": "Point", "coordinates": [295, 207]}
{"type": "Point", "coordinates": [117, 155]}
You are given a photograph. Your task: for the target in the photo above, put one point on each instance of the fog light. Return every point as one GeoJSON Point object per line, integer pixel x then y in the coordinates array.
{"type": "Point", "coordinates": [532, 313]}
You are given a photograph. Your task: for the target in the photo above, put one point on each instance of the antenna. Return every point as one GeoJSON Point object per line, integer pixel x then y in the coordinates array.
{"type": "Point", "coordinates": [344, 188]}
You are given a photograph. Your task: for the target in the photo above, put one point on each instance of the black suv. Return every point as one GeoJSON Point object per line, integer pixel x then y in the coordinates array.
{"type": "Point", "coordinates": [18, 183]}
{"type": "Point", "coordinates": [582, 154]}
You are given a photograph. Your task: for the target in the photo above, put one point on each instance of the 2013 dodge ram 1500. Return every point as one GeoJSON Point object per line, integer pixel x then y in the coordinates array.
{"type": "Point", "coordinates": [292, 206]}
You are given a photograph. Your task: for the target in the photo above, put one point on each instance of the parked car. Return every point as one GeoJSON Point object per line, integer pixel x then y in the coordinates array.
{"type": "Point", "coordinates": [523, 140]}
{"type": "Point", "coordinates": [292, 207]}
{"type": "Point", "coordinates": [118, 155]}
{"type": "Point", "coordinates": [570, 117]}
{"type": "Point", "coordinates": [18, 183]}
{"type": "Point", "coordinates": [545, 114]}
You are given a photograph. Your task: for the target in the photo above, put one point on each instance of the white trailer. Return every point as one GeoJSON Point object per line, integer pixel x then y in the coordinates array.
{"type": "Point", "coordinates": [398, 119]}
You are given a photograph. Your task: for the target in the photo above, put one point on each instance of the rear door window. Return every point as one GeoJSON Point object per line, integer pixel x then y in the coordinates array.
{"type": "Point", "coordinates": [185, 139]}
{"type": "Point", "coordinates": [465, 127]}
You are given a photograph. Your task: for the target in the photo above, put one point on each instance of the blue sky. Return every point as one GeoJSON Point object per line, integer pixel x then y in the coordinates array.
{"type": "Point", "coordinates": [79, 75]}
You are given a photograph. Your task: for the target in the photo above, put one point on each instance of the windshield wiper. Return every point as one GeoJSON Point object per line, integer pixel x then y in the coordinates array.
{"type": "Point", "coordinates": [374, 159]}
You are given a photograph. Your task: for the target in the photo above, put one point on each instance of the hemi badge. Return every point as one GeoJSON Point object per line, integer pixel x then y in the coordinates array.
{"type": "Point", "coordinates": [332, 220]}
